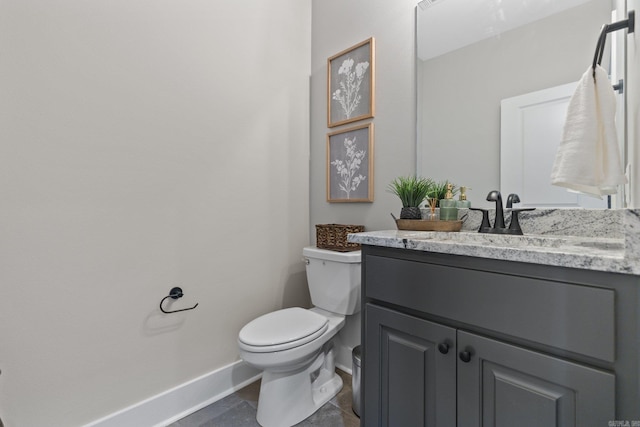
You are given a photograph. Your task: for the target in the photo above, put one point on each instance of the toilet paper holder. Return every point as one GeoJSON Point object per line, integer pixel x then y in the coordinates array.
{"type": "Point", "coordinates": [175, 293]}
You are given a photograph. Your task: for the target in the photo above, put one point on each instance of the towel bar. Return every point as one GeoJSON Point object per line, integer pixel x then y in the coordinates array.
{"type": "Point", "coordinates": [628, 23]}
{"type": "Point", "coordinates": [174, 293]}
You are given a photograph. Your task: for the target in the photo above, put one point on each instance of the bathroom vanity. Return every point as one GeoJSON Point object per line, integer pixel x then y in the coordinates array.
{"type": "Point", "coordinates": [474, 330]}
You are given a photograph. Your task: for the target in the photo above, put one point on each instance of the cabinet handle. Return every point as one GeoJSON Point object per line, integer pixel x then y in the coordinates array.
{"type": "Point", "coordinates": [465, 356]}
{"type": "Point", "coordinates": [443, 347]}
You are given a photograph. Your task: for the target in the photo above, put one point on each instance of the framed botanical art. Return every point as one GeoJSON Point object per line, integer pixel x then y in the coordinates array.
{"type": "Point", "coordinates": [351, 84]}
{"type": "Point", "coordinates": [350, 164]}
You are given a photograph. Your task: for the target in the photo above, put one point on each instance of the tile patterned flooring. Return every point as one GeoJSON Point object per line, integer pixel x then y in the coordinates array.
{"type": "Point", "coordinates": [239, 410]}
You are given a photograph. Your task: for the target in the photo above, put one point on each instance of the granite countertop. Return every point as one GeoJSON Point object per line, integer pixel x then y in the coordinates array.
{"type": "Point", "coordinates": [606, 240]}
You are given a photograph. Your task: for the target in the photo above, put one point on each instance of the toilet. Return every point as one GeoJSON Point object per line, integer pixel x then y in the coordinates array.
{"type": "Point", "coordinates": [293, 346]}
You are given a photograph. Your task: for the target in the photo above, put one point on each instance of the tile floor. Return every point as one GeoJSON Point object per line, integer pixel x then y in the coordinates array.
{"type": "Point", "coordinates": [239, 410]}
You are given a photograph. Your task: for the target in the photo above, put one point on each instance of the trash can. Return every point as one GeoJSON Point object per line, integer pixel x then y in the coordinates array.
{"type": "Point", "coordinates": [355, 379]}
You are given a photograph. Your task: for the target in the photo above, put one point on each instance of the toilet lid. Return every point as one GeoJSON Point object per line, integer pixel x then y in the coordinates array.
{"type": "Point", "coordinates": [283, 329]}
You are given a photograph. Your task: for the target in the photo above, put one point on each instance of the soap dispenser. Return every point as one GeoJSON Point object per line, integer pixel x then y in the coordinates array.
{"type": "Point", "coordinates": [448, 209]}
{"type": "Point", "coordinates": [462, 199]}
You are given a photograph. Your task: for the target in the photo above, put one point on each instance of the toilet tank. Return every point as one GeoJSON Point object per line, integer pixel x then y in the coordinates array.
{"type": "Point", "coordinates": [334, 279]}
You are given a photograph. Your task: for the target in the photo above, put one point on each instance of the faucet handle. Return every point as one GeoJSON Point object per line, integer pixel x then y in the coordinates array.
{"type": "Point", "coordinates": [485, 219]}
{"type": "Point", "coordinates": [514, 226]}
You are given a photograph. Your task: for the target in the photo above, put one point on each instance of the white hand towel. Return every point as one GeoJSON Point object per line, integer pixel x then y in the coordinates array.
{"type": "Point", "coordinates": [588, 158]}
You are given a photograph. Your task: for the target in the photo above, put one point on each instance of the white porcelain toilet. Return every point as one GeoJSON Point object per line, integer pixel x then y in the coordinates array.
{"type": "Point", "coordinates": [293, 346]}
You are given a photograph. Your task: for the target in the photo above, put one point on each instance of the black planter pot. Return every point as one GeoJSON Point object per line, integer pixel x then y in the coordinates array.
{"type": "Point", "coordinates": [410, 213]}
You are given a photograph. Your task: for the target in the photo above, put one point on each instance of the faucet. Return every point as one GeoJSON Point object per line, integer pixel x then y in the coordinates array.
{"type": "Point", "coordinates": [498, 224]}
{"type": "Point", "coordinates": [495, 196]}
{"type": "Point", "coordinates": [513, 198]}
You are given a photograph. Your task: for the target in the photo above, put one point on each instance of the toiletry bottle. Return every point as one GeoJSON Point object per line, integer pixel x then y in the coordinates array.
{"type": "Point", "coordinates": [462, 199]}
{"type": "Point", "coordinates": [448, 209]}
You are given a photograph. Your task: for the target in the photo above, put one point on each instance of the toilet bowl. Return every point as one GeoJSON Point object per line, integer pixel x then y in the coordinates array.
{"type": "Point", "coordinates": [294, 347]}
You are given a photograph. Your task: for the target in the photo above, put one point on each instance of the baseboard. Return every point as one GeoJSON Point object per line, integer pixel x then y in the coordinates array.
{"type": "Point", "coordinates": [343, 357]}
{"type": "Point", "coordinates": [178, 402]}
{"type": "Point", "coordinates": [344, 368]}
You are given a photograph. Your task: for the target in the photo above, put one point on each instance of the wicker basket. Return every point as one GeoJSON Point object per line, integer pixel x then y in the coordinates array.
{"type": "Point", "coordinates": [334, 237]}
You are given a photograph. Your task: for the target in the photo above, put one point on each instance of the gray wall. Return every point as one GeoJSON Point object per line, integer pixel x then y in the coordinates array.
{"type": "Point", "coordinates": [338, 25]}
{"type": "Point", "coordinates": [144, 144]}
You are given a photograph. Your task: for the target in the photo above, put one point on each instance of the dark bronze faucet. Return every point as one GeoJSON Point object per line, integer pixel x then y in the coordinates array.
{"type": "Point", "coordinates": [513, 198]}
{"type": "Point", "coordinates": [495, 196]}
{"type": "Point", "coordinates": [498, 224]}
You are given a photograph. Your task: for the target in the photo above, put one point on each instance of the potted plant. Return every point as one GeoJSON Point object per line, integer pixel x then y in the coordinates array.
{"type": "Point", "coordinates": [411, 190]}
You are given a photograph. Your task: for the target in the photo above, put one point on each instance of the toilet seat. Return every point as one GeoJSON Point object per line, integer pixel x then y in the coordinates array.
{"type": "Point", "coordinates": [282, 330]}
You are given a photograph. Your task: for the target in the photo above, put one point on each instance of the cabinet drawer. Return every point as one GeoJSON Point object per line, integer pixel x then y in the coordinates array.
{"type": "Point", "coordinates": [547, 312]}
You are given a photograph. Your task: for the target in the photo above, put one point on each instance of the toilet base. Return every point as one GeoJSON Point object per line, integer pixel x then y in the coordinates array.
{"type": "Point", "coordinates": [287, 398]}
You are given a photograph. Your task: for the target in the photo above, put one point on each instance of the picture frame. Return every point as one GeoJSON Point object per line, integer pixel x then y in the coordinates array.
{"type": "Point", "coordinates": [351, 84]}
{"type": "Point", "coordinates": [350, 164]}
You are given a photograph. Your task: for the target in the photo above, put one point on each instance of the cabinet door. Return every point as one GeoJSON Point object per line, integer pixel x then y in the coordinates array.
{"type": "Point", "coordinates": [409, 370]}
{"type": "Point", "coordinates": [501, 385]}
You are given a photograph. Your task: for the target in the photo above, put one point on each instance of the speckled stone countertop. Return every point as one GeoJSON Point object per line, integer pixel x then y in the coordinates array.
{"type": "Point", "coordinates": [590, 239]}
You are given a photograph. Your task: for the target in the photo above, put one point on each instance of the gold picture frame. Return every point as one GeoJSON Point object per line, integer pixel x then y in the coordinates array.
{"type": "Point", "coordinates": [350, 164]}
{"type": "Point", "coordinates": [351, 84]}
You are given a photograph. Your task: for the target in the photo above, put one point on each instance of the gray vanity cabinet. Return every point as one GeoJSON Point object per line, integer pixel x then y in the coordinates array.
{"type": "Point", "coordinates": [507, 385]}
{"type": "Point", "coordinates": [460, 341]}
{"type": "Point", "coordinates": [416, 362]}
{"type": "Point", "coordinates": [426, 370]}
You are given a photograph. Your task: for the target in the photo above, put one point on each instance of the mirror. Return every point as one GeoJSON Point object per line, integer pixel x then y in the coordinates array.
{"type": "Point", "coordinates": [474, 55]}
